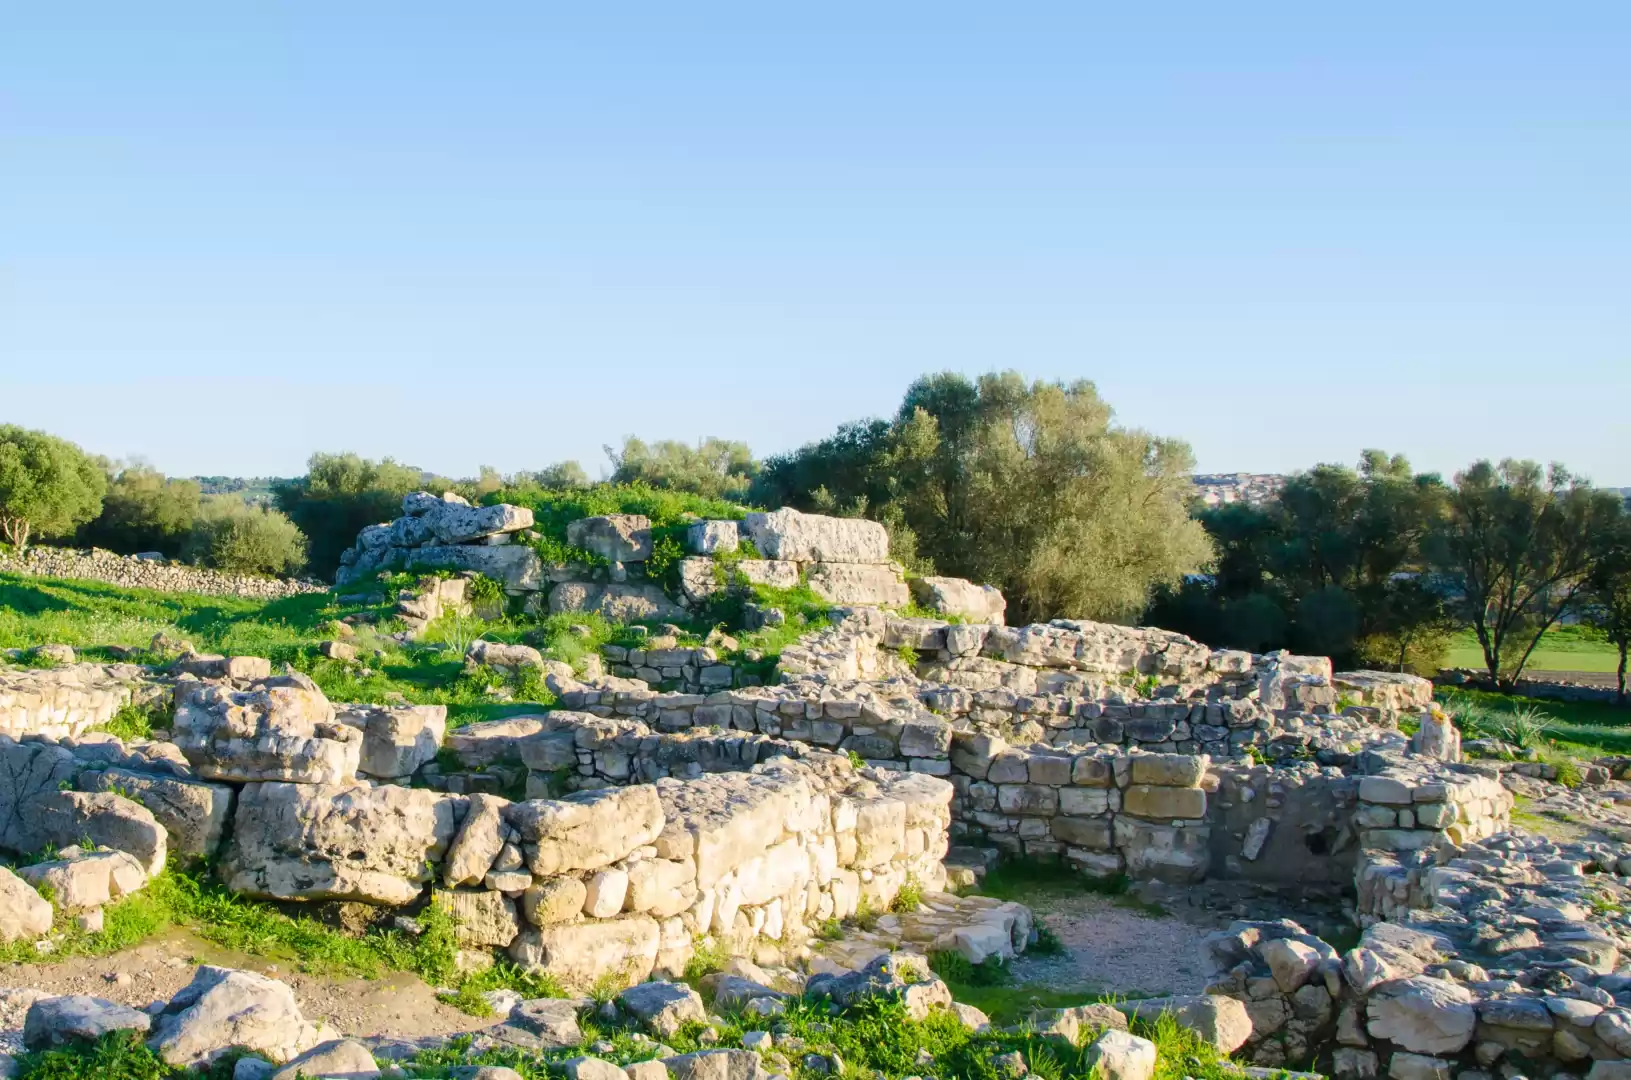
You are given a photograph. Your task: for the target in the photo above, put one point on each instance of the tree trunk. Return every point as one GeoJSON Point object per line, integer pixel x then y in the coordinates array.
{"type": "Point", "coordinates": [16, 531]}
{"type": "Point", "coordinates": [1619, 698]}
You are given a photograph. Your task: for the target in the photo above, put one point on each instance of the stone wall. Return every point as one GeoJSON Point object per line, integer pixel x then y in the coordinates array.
{"type": "Point", "coordinates": [65, 702]}
{"type": "Point", "coordinates": [138, 573]}
{"type": "Point", "coordinates": [1105, 812]}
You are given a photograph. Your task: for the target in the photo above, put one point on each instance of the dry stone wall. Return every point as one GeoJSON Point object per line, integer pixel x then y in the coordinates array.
{"type": "Point", "coordinates": [65, 702]}
{"type": "Point", "coordinates": [136, 572]}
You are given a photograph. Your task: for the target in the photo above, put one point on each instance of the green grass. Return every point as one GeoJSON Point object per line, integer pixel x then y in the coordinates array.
{"type": "Point", "coordinates": [1586, 727]}
{"type": "Point", "coordinates": [1566, 648]}
{"type": "Point", "coordinates": [193, 900]}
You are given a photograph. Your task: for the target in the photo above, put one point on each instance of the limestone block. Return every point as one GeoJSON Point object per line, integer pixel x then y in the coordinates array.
{"type": "Point", "coordinates": [338, 1059]}
{"type": "Point", "coordinates": [554, 900]}
{"type": "Point", "coordinates": [1153, 850]}
{"type": "Point", "coordinates": [1171, 770]}
{"type": "Point", "coordinates": [221, 1009]}
{"type": "Point", "coordinates": [1092, 833]}
{"type": "Point", "coordinates": [396, 739]}
{"type": "Point", "coordinates": [1147, 801]}
{"type": "Point", "coordinates": [712, 538]}
{"type": "Point", "coordinates": [329, 842]}
{"type": "Point", "coordinates": [852, 583]}
{"type": "Point", "coordinates": [579, 954]}
{"type": "Point", "coordinates": [798, 537]}
{"type": "Point", "coordinates": [476, 845]}
{"type": "Point", "coordinates": [1119, 1055]}
{"type": "Point", "coordinates": [956, 596]}
{"type": "Point", "coordinates": [514, 566]}
{"type": "Point", "coordinates": [280, 728]}
{"type": "Point", "coordinates": [604, 893]}
{"type": "Point", "coordinates": [614, 537]}
{"type": "Point", "coordinates": [1422, 1014]}
{"type": "Point", "coordinates": [55, 1021]}
{"type": "Point", "coordinates": [193, 813]}
{"type": "Point", "coordinates": [661, 887]}
{"type": "Point", "coordinates": [588, 830]}
{"type": "Point", "coordinates": [24, 913]}
{"type": "Point", "coordinates": [481, 918]}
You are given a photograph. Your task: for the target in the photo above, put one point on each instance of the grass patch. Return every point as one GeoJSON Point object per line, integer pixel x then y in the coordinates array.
{"type": "Point", "coordinates": [1589, 726]}
{"type": "Point", "coordinates": [1563, 648]}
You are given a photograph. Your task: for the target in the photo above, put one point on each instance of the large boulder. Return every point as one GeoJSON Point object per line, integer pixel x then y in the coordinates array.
{"type": "Point", "coordinates": [851, 583]}
{"type": "Point", "coordinates": [581, 954]}
{"type": "Point", "coordinates": [84, 879]}
{"type": "Point", "coordinates": [194, 813]}
{"type": "Point", "coordinates": [337, 1059]}
{"type": "Point", "coordinates": [454, 521]}
{"type": "Point", "coordinates": [105, 819]}
{"type": "Point", "coordinates": [54, 1021]}
{"type": "Point", "coordinates": [798, 537]}
{"type": "Point", "coordinates": [281, 728]}
{"type": "Point", "coordinates": [1118, 1055]}
{"type": "Point", "coordinates": [328, 842]}
{"type": "Point", "coordinates": [662, 1008]}
{"type": "Point", "coordinates": [224, 1008]}
{"type": "Point", "coordinates": [396, 739]}
{"type": "Point", "coordinates": [587, 830]}
{"type": "Point", "coordinates": [630, 602]}
{"type": "Point", "coordinates": [958, 597]}
{"type": "Point", "coordinates": [514, 566]}
{"type": "Point", "coordinates": [614, 537]}
{"type": "Point", "coordinates": [24, 913]}
{"type": "Point", "coordinates": [891, 975]}
{"type": "Point", "coordinates": [1422, 1014]}
{"type": "Point", "coordinates": [478, 842]}
{"type": "Point", "coordinates": [1218, 1020]}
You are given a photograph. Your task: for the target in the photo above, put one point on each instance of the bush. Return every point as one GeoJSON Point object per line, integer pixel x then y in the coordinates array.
{"type": "Point", "coordinates": [233, 536]}
{"type": "Point", "coordinates": [340, 494]}
{"type": "Point", "coordinates": [144, 511]}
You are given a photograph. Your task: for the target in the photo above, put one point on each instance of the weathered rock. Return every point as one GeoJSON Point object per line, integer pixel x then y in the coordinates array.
{"type": "Point", "coordinates": [327, 842]}
{"type": "Point", "coordinates": [712, 538]}
{"type": "Point", "coordinates": [628, 602]}
{"type": "Point", "coordinates": [850, 583]}
{"type": "Point", "coordinates": [231, 668]}
{"type": "Point", "coordinates": [1069, 1023]}
{"type": "Point", "coordinates": [1291, 962]}
{"type": "Point", "coordinates": [86, 879]}
{"type": "Point", "coordinates": [551, 1022]}
{"type": "Point", "coordinates": [280, 728]}
{"type": "Point", "coordinates": [553, 900]}
{"type": "Point", "coordinates": [1221, 1021]}
{"type": "Point", "coordinates": [53, 1021]}
{"type": "Point", "coordinates": [222, 1008]}
{"type": "Point", "coordinates": [579, 954]}
{"type": "Point", "coordinates": [24, 913]}
{"type": "Point", "coordinates": [479, 840]}
{"type": "Point", "coordinates": [194, 814]}
{"type": "Point", "coordinates": [588, 830]}
{"type": "Point", "coordinates": [591, 1068]}
{"type": "Point", "coordinates": [482, 918]}
{"type": "Point", "coordinates": [338, 1059]}
{"type": "Point", "coordinates": [959, 597]}
{"type": "Point", "coordinates": [798, 537]}
{"type": "Point", "coordinates": [614, 537]}
{"type": "Point", "coordinates": [511, 659]}
{"type": "Point", "coordinates": [1422, 1014]}
{"type": "Point", "coordinates": [397, 740]}
{"type": "Point", "coordinates": [890, 975]}
{"type": "Point", "coordinates": [716, 1065]}
{"type": "Point", "coordinates": [1118, 1055]}
{"type": "Point", "coordinates": [662, 1008]}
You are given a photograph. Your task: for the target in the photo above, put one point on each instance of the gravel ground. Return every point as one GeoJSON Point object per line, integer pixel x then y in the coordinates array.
{"type": "Point", "coordinates": [1115, 948]}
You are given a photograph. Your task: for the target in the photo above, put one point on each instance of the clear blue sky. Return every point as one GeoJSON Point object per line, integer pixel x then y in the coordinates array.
{"type": "Point", "coordinates": [231, 234]}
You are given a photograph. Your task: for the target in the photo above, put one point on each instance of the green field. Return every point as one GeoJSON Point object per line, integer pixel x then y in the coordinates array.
{"type": "Point", "coordinates": [1568, 648]}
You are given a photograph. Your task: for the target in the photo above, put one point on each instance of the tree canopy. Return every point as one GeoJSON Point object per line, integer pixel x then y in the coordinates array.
{"type": "Point", "coordinates": [144, 511]}
{"type": "Point", "coordinates": [714, 468]}
{"type": "Point", "coordinates": [48, 486]}
{"type": "Point", "coordinates": [340, 494]}
{"type": "Point", "coordinates": [1028, 486]}
{"type": "Point", "coordinates": [1515, 551]}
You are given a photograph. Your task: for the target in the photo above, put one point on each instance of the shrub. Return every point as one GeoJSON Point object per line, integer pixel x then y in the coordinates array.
{"type": "Point", "coordinates": [340, 494]}
{"type": "Point", "coordinates": [234, 536]}
{"type": "Point", "coordinates": [144, 511]}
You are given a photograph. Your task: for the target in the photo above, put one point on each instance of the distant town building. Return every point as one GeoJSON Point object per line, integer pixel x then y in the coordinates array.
{"type": "Point", "coordinates": [1221, 489]}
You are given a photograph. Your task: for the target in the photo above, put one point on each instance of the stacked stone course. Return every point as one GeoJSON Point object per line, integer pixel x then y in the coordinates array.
{"type": "Point", "coordinates": [136, 572]}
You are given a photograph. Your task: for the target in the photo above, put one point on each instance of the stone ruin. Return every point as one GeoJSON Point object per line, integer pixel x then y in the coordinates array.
{"type": "Point", "coordinates": [614, 833]}
{"type": "Point", "coordinates": [843, 560]}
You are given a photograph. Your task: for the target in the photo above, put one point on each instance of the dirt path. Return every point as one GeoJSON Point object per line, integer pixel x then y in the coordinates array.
{"type": "Point", "coordinates": [1114, 948]}
{"type": "Point", "coordinates": [395, 1005]}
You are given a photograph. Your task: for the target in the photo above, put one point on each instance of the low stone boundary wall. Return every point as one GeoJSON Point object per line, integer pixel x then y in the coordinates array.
{"type": "Point", "coordinates": [132, 572]}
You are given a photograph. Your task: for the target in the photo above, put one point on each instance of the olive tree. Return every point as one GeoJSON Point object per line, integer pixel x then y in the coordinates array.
{"type": "Point", "coordinates": [1515, 550]}
{"type": "Point", "coordinates": [48, 486]}
{"type": "Point", "coordinates": [1608, 605]}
